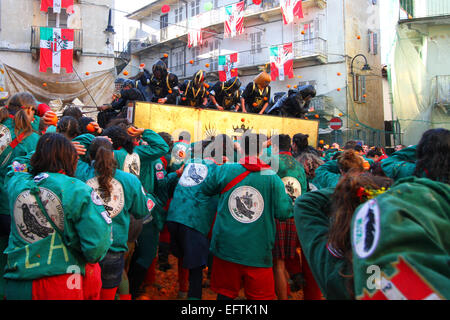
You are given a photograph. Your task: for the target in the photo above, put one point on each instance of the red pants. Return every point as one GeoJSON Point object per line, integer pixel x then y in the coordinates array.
{"type": "Point", "coordinates": [311, 290]}
{"type": "Point", "coordinates": [226, 278]}
{"type": "Point", "coordinates": [70, 286]}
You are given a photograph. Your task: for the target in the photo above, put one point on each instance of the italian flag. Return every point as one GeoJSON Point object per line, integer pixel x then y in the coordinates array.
{"type": "Point", "coordinates": [281, 62]}
{"type": "Point", "coordinates": [56, 49]}
{"type": "Point", "coordinates": [234, 19]}
{"type": "Point", "coordinates": [227, 67]}
{"type": "Point", "coordinates": [291, 9]}
{"type": "Point", "coordinates": [57, 5]}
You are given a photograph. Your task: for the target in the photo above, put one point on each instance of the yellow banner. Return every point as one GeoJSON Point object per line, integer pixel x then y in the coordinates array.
{"type": "Point", "coordinates": [204, 123]}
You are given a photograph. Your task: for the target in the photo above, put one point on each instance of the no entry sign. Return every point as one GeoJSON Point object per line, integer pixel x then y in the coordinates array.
{"type": "Point", "coordinates": [336, 123]}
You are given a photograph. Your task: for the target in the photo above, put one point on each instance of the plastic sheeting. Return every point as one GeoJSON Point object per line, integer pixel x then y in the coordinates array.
{"type": "Point", "coordinates": [420, 98]}
{"type": "Point", "coordinates": [99, 84]}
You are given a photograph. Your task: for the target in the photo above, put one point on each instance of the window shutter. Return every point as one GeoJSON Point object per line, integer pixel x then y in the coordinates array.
{"type": "Point", "coordinates": [375, 43]}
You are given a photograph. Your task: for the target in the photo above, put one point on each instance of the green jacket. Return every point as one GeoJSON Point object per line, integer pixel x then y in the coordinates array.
{"type": "Point", "coordinates": [291, 173]}
{"type": "Point", "coordinates": [400, 164]}
{"type": "Point", "coordinates": [190, 206]}
{"type": "Point", "coordinates": [311, 214]}
{"type": "Point", "coordinates": [244, 230]}
{"type": "Point", "coordinates": [327, 175]}
{"type": "Point", "coordinates": [404, 235]}
{"type": "Point", "coordinates": [127, 198]}
{"type": "Point", "coordinates": [35, 250]}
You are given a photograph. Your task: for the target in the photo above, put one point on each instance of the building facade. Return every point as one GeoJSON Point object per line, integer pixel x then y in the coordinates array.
{"type": "Point", "coordinates": [325, 41]}
{"type": "Point", "coordinates": [93, 55]}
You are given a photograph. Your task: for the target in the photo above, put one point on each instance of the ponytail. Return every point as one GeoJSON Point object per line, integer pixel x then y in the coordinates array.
{"type": "Point", "coordinates": [104, 164]}
{"type": "Point", "coordinates": [4, 114]}
{"type": "Point", "coordinates": [22, 123]}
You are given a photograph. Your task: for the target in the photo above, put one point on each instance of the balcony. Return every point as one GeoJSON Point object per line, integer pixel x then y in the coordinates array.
{"type": "Point", "coordinates": [410, 10]}
{"type": "Point", "coordinates": [440, 86]}
{"type": "Point", "coordinates": [215, 18]}
{"type": "Point", "coordinates": [306, 52]}
{"type": "Point", "coordinates": [36, 43]}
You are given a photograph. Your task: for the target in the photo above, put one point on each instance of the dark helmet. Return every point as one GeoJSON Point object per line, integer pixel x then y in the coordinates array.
{"type": "Point", "coordinates": [199, 77]}
{"type": "Point", "coordinates": [159, 69]}
{"type": "Point", "coordinates": [307, 90]}
{"type": "Point", "coordinates": [128, 82]}
{"type": "Point", "coordinates": [118, 83]}
{"type": "Point", "coordinates": [119, 80]}
{"type": "Point", "coordinates": [232, 84]}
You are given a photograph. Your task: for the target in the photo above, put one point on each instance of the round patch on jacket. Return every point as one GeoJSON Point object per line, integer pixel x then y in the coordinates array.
{"type": "Point", "coordinates": [5, 140]}
{"type": "Point", "coordinates": [292, 186]}
{"type": "Point", "coordinates": [179, 152]}
{"type": "Point", "coordinates": [246, 204]}
{"type": "Point", "coordinates": [159, 166]}
{"type": "Point", "coordinates": [113, 203]}
{"type": "Point", "coordinates": [31, 223]}
{"type": "Point", "coordinates": [132, 164]}
{"type": "Point", "coordinates": [193, 174]}
{"type": "Point", "coordinates": [366, 229]}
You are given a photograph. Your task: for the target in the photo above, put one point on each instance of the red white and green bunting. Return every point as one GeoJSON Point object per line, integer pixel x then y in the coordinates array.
{"type": "Point", "coordinates": [281, 62]}
{"type": "Point", "coordinates": [56, 49]}
{"type": "Point", "coordinates": [227, 67]}
{"type": "Point", "coordinates": [291, 9]}
{"type": "Point", "coordinates": [234, 19]}
{"type": "Point", "coordinates": [57, 5]}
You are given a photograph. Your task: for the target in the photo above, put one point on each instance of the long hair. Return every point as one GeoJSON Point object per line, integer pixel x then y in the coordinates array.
{"type": "Point", "coordinates": [101, 152]}
{"type": "Point", "coordinates": [310, 163]}
{"type": "Point", "coordinates": [18, 105]}
{"type": "Point", "coordinates": [120, 138]}
{"type": "Point", "coordinates": [433, 155]}
{"type": "Point", "coordinates": [345, 200]}
{"type": "Point", "coordinates": [350, 160]}
{"type": "Point", "coordinates": [54, 153]}
{"type": "Point", "coordinates": [68, 126]}
{"type": "Point", "coordinates": [4, 114]}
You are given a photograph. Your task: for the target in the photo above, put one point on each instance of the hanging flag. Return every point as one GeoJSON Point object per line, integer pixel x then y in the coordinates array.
{"type": "Point", "coordinates": [194, 34]}
{"type": "Point", "coordinates": [227, 67]}
{"type": "Point", "coordinates": [57, 5]}
{"type": "Point", "coordinates": [56, 49]}
{"type": "Point", "coordinates": [281, 62]}
{"type": "Point", "coordinates": [291, 9]}
{"type": "Point", "coordinates": [234, 19]}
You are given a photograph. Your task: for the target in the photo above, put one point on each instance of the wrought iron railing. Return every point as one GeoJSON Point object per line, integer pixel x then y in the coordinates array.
{"type": "Point", "coordinates": [77, 42]}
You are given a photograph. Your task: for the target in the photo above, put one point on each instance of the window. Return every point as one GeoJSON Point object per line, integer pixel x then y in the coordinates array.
{"type": "Point", "coordinates": [163, 23]}
{"type": "Point", "coordinates": [57, 20]}
{"type": "Point", "coordinates": [195, 8]}
{"type": "Point", "coordinates": [359, 88]}
{"type": "Point", "coordinates": [216, 4]}
{"type": "Point", "coordinates": [214, 55]}
{"type": "Point", "coordinates": [373, 42]}
{"type": "Point", "coordinates": [177, 61]}
{"type": "Point", "coordinates": [255, 41]}
{"type": "Point", "coordinates": [195, 54]}
{"type": "Point", "coordinates": [179, 14]}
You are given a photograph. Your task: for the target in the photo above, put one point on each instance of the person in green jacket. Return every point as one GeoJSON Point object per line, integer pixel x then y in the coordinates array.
{"type": "Point", "coordinates": [122, 195]}
{"type": "Point", "coordinates": [251, 196]}
{"type": "Point", "coordinates": [58, 232]}
{"type": "Point", "coordinates": [191, 212]}
{"type": "Point", "coordinates": [328, 174]}
{"type": "Point", "coordinates": [293, 176]}
{"type": "Point", "coordinates": [400, 239]}
{"type": "Point", "coordinates": [17, 138]}
{"type": "Point", "coordinates": [323, 219]}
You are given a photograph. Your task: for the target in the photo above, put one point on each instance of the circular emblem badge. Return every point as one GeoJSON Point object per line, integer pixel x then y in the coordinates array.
{"type": "Point", "coordinates": [179, 153]}
{"type": "Point", "coordinates": [5, 140]}
{"type": "Point", "coordinates": [132, 164]}
{"type": "Point", "coordinates": [115, 202]}
{"type": "Point", "coordinates": [366, 229]}
{"type": "Point", "coordinates": [31, 223]}
{"type": "Point", "coordinates": [159, 166]}
{"type": "Point", "coordinates": [193, 174]}
{"type": "Point", "coordinates": [246, 204]}
{"type": "Point", "coordinates": [292, 186]}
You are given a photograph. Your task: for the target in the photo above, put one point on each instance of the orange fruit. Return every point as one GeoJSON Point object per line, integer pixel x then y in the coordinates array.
{"type": "Point", "coordinates": [125, 73]}
{"type": "Point", "coordinates": [242, 120]}
{"type": "Point", "coordinates": [87, 73]}
{"type": "Point", "coordinates": [358, 37]}
{"type": "Point", "coordinates": [170, 91]}
{"type": "Point", "coordinates": [131, 130]}
{"type": "Point", "coordinates": [255, 104]}
{"type": "Point", "coordinates": [364, 95]}
{"type": "Point", "coordinates": [183, 98]}
{"type": "Point", "coordinates": [206, 85]}
{"type": "Point", "coordinates": [316, 115]}
{"type": "Point", "coordinates": [306, 118]}
{"type": "Point", "coordinates": [166, 55]}
{"type": "Point", "coordinates": [265, 99]}
{"type": "Point", "coordinates": [44, 84]}
{"type": "Point", "coordinates": [191, 61]}
{"type": "Point", "coordinates": [303, 32]}
{"type": "Point", "coordinates": [288, 86]}
{"type": "Point", "coordinates": [295, 87]}
{"type": "Point", "coordinates": [90, 127]}
{"type": "Point", "coordinates": [338, 73]}
{"type": "Point", "coordinates": [321, 141]}
{"type": "Point", "coordinates": [54, 121]}
{"type": "Point", "coordinates": [341, 114]}
{"type": "Point", "coordinates": [338, 89]}
{"type": "Point", "coordinates": [100, 62]}
{"type": "Point", "coordinates": [142, 65]}
{"type": "Point", "coordinates": [357, 125]}
{"type": "Point", "coordinates": [207, 65]}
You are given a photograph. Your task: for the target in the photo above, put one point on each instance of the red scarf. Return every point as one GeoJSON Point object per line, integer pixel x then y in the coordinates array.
{"type": "Point", "coordinates": [286, 152]}
{"type": "Point", "coordinates": [253, 163]}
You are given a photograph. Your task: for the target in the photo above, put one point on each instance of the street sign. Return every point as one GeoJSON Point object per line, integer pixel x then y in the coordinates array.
{"type": "Point", "coordinates": [336, 123]}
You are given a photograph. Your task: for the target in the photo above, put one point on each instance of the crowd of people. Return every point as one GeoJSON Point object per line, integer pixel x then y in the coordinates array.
{"type": "Point", "coordinates": [88, 211]}
{"type": "Point", "coordinates": [163, 87]}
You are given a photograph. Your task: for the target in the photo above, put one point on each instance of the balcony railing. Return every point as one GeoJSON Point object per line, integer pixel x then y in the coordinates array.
{"type": "Point", "coordinates": [414, 9]}
{"type": "Point", "coordinates": [316, 47]}
{"type": "Point", "coordinates": [217, 16]}
{"type": "Point", "coordinates": [36, 42]}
